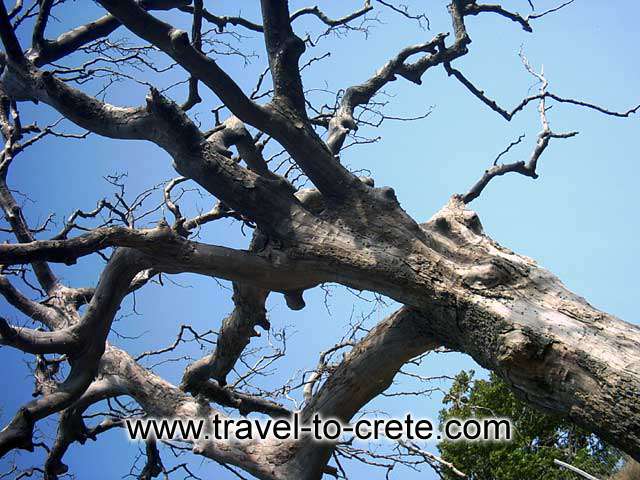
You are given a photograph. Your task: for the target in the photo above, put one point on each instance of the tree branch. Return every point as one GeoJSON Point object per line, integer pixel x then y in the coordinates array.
{"type": "Point", "coordinates": [34, 310]}
{"type": "Point", "coordinates": [175, 43]}
{"type": "Point", "coordinates": [223, 21]}
{"type": "Point", "coordinates": [436, 53]}
{"type": "Point", "coordinates": [170, 253]}
{"type": "Point", "coordinates": [90, 332]}
{"type": "Point", "coordinates": [508, 115]}
{"type": "Point", "coordinates": [366, 371]}
{"type": "Point", "coordinates": [331, 22]}
{"type": "Point", "coordinates": [343, 121]}
{"type": "Point", "coordinates": [527, 169]}
{"type": "Point", "coordinates": [9, 39]}
{"type": "Point", "coordinates": [35, 341]}
{"type": "Point", "coordinates": [472, 8]}
{"type": "Point", "coordinates": [22, 232]}
{"type": "Point", "coordinates": [41, 24]}
{"type": "Point", "coordinates": [235, 334]}
{"type": "Point", "coordinates": [48, 51]}
{"type": "Point", "coordinates": [284, 49]}
{"type": "Point", "coordinates": [71, 426]}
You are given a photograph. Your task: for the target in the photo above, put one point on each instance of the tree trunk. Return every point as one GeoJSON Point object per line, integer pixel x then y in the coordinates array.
{"type": "Point", "coordinates": [555, 350]}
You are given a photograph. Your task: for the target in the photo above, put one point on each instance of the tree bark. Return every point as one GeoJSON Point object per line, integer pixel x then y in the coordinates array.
{"type": "Point", "coordinates": [459, 288]}
{"type": "Point", "coordinates": [556, 351]}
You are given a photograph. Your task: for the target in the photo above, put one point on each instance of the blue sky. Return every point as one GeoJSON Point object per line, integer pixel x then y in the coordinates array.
{"type": "Point", "coordinates": [578, 219]}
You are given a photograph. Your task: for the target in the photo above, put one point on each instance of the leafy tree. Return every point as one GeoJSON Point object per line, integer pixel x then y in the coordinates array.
{"type": "Point", "coordinates": [538, 438]}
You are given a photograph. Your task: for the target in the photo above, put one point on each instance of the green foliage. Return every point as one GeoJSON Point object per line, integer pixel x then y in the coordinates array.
{"type": "Point", "coordinates": [538, 438]}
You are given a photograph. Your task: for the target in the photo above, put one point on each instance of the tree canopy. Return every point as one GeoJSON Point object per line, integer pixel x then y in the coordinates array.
{"type": "Point", "coordinates": [539, 439]}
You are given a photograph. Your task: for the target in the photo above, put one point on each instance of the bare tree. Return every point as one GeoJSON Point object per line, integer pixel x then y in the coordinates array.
{"type": "Point", "coordinates": [460, 289]}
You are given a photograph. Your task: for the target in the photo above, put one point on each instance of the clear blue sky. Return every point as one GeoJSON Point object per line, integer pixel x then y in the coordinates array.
{"type": "Point", "coordinates": [578, 219]}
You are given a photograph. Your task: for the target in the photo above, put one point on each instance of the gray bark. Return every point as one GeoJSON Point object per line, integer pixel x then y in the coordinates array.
{"type": "Point", "coordinates": [460, 289]}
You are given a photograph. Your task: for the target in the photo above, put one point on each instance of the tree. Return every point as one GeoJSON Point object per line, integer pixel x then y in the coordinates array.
{"type": "Point", "coordinates": [539, 438]}
{"type": "Point", "coordinates": [460, 289]}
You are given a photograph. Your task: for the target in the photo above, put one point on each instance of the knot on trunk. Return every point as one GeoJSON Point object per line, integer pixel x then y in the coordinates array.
{"type": "Point", "coordinates": [520, 348]}
{"type": "Point", "coordinates": [491, 274]}
{"type": "Point", "coordinates": [472, 221]}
